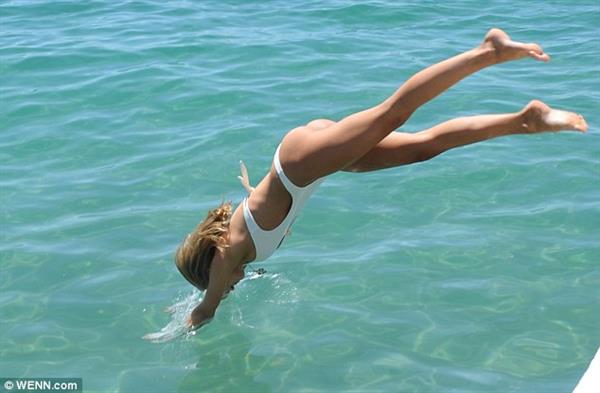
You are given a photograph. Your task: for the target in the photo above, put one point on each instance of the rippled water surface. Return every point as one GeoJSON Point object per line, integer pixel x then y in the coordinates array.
{"type": "Point", "coordinates": [121, 123]}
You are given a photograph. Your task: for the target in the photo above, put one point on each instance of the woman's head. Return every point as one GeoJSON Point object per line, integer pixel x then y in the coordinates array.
{"type": "Point", "coordinates": [195, 254]}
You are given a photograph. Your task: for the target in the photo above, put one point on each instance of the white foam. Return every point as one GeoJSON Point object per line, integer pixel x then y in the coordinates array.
{"type": "Point", "coordinates": [180, 312]}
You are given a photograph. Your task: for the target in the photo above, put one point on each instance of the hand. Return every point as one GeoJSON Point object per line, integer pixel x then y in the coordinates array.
{"type": "Point", "coordinates": [244, 178]}
{"type": "Point", "coordinates": [176, 328]}
{"type": "Point", "coordinates": [198, 318]}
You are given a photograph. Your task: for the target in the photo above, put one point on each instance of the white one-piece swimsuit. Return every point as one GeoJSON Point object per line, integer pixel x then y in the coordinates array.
{"type": "Point", "coordinates": [266, 242]}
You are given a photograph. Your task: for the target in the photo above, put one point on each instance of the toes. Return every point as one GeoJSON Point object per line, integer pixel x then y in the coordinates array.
{"type": "Point", "coordinates": [581, 124]}
{"type": "Point", "coordinates": [541, 57]}
{"type": "Point", "coordinates": [577, 122]}
{"type": "Point", "coordinates": [540, 117]}
{"type": "Point", "coordinates": [536, 51]}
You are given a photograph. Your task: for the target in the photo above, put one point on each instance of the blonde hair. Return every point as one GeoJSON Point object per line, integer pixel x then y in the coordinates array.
{"type": "Point", "coordinates": [194, 256]}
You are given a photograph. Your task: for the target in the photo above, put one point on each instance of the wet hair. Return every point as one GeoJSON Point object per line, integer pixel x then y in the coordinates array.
{"type": "Point", "coordinates": [194, 256]}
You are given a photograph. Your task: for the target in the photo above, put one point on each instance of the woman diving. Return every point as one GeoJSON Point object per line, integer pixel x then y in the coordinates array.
{"type": "Point", "coordinates": [214, 255]}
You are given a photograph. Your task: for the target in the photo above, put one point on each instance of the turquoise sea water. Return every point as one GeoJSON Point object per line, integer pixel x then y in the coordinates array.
{"type": "Point", "coordinates": [121, 123]}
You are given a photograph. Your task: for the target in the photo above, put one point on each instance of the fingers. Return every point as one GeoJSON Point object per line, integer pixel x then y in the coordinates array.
{"type": "Point", "coordinates": [244, 179]}
{"type": "Point", "coordinates": [243, 169]}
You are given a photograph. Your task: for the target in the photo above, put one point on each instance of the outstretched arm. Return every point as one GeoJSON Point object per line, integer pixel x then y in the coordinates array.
{"type": "Point", "coordinates": [219, 281]}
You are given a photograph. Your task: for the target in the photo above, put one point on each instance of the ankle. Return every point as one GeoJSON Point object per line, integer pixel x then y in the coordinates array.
{"type": "Point", "coordinates": [487, 53]}
{"type": "Point", "coordinates": [523, 122]}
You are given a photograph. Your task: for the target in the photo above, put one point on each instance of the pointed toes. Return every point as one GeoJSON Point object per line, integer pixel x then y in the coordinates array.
{"type": "Point", "coordinates": [536, 51]}
{"type": "Point", "coordinates": [539, 55]}
{"type": "Point", "coordinates": [581, 125]}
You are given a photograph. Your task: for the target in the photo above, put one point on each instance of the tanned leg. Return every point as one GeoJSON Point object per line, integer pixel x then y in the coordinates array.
{"type": "Point", "coordinates": [497, 47]}
{"type": "Point", "coordinates": [402, 149]}
{"type": "Point", "coordinates": [307, 156]}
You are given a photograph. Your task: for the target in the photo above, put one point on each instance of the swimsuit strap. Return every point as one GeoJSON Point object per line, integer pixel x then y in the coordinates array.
{"type": "Point", "coordinates": [252, 225]}
{"type": "Point", "coordinates": [287, 183]}
{"type": "Point", "coordinates": [267, 241]}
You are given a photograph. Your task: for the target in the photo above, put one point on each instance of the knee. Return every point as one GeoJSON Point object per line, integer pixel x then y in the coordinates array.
{"type": "Point", "coordinates": [354, 168]}
{"type": "Point", "coordinates": [426, 155]}
{"type": "Point", "coordinates": [425, 149]}
{"type": "Point", "coordinates": [396, 118]}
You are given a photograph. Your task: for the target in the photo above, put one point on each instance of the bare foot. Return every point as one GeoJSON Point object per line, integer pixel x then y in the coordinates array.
{"type": "Point", "coordinates": [507, 49]}
{"type": "Point", "coordinates": [539, 117]}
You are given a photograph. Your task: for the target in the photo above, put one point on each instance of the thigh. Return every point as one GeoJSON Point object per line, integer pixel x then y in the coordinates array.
{"type": "Point", "coordinates": [309, 153]}
{"type": "Point", "coordinates": [396, 149]}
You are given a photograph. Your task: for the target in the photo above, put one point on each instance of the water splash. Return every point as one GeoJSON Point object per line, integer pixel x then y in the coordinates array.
{"type": "Point", "coordinates": [177, 326]}
{"type": "Point", "coordinates": [181, 310]}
